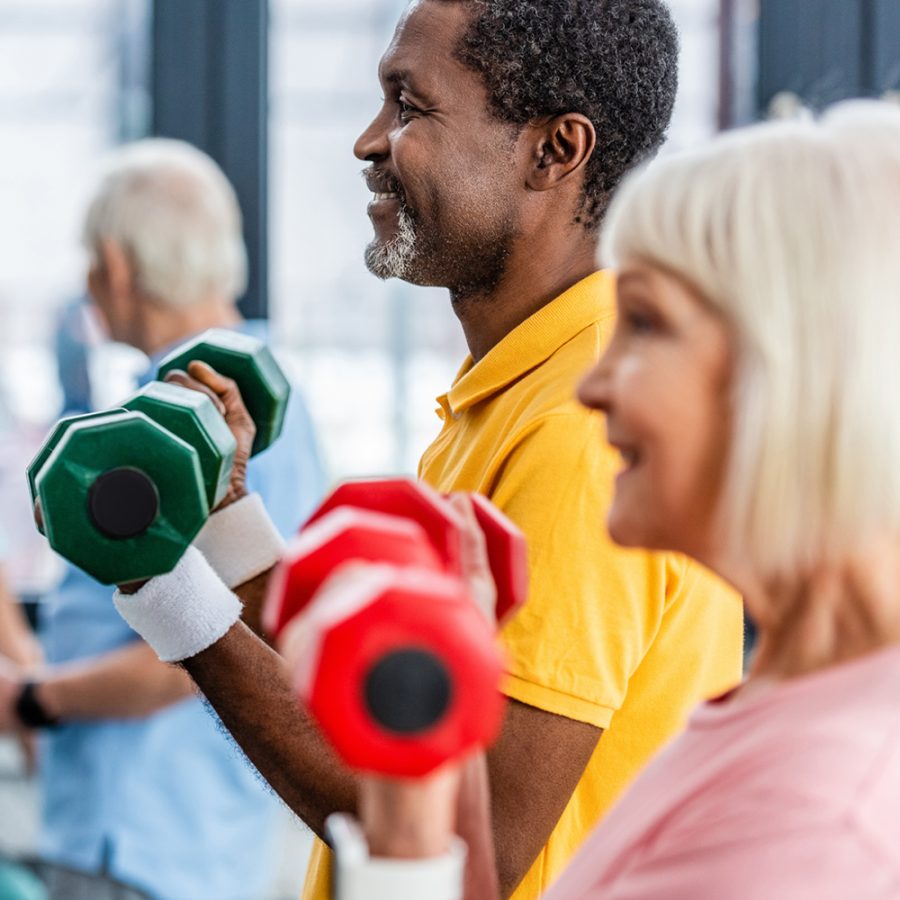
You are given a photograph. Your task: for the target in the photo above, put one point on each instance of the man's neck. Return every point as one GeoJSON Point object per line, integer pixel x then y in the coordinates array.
{"type": "Point", "coordinates": [166, 327]}
{"type": "Point", "coordinates": [533, 277]}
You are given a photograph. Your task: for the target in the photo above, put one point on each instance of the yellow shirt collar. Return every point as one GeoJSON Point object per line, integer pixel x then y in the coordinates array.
{"type": "Point", "coordinates": [530, 343]}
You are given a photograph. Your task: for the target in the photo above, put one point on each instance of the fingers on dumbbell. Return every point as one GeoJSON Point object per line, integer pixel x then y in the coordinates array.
{"type": "Point", "coordinates": [38, 515]}
{"type": "Point", "coordinates": [261, 388]}
{"type": "Point", "coordinates": [87, 507]}
{"type": "Point", "coordinates": [474, 543]}
{"type": "Point", "coordinates": [223, 387]}
{"type": "Point", "coordinates": [507, 553]}
{"type": "Point", "coordinates": [475, 560]}
{"type": "Point", "coordinates": [183, 379]}
{"type": "Point", "coordinates": [228, 392]}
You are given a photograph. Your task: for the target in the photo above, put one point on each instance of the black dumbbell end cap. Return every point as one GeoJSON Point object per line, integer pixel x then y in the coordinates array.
{"type": "Point", "coordinates": [407, 691]}
{"type": "Point", "coordinates": [123, 503]}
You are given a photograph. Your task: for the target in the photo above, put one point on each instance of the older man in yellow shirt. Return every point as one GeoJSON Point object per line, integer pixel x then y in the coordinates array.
{"type": "Point", "coordinates": [504, 128]}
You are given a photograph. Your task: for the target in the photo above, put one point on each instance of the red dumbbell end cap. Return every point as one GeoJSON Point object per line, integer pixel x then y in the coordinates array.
{"type": "Point", "coordinates": [394, 623]}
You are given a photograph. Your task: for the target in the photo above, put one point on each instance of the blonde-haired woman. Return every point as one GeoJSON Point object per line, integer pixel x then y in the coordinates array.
{"type": "Point", "coordinates": [753, 389]}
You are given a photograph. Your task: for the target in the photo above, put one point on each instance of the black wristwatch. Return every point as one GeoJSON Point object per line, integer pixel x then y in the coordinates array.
{"type": "Point", "coordinates": [30, 711]}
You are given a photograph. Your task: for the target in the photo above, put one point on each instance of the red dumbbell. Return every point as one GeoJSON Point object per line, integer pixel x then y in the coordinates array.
{"type": "Point", "coordinates": [341, 536]}
{"type": "Point", "coordinates": [401, 670]}
{"type": "Point", "coordinates": [408, 498]}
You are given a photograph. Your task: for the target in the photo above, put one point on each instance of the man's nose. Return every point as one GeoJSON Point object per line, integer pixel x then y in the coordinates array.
{"type": "Point", "coordinates": [374, 143]}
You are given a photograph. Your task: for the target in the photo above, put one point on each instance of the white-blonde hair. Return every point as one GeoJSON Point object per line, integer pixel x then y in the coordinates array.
{"type": "Point", "coordinates": [791, 231]}
{"type": "Point", "coordinates": [173, 211]}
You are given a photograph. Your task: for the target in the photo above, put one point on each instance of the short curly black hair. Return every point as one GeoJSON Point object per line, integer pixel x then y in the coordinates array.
{"type": "Point", "coordinates": [613, 61]}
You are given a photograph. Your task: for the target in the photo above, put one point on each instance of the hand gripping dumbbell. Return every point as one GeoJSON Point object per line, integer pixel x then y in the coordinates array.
{"type": "Point", "coordinates": [415, 502]}
{"type": "Point", "coordinates": [248, 361]}
{"type": "Point", "coordinates": [386, 664]}
{"type": "Point", "coordinates": [124, 493]}
{"type": "Point", "coordinates": [399, 666]}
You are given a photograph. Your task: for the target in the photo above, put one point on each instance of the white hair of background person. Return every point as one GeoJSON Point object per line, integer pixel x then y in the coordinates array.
{"type": "Point", "coordinates": [175, 214]}
{"type": "Point", "coordinates": [791, 231]}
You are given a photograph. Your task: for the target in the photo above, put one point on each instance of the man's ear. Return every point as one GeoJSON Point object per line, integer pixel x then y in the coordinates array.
{"type": "Point", "coordinates": [117, 268]}
{"type": "Point", "coordinates": [560, 149]}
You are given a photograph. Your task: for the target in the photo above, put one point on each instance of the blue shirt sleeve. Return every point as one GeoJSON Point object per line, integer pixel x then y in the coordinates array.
{"type": "Point", "coordinates": [289, 475]}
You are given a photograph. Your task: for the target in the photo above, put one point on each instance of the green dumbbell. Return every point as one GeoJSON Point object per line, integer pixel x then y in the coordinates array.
{"type": "Point", "coordinates": [193, 417]}
{"type": "Point", "coordinates": [190, 415]}
{"type": "Point", "coordinates": [249, 362]}
{"type": "Point", "coordinates": [121, 497]}
{"type": "Point", "coordinates": [49, 445]}
{"type": "Point", "coordinates": [111, 503]}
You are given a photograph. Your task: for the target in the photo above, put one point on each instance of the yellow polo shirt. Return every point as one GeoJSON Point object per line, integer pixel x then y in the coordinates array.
{"type": "Point", "coordinates": [625, 640]}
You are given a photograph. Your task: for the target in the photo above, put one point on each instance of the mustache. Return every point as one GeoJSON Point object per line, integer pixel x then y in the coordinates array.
{"type": "Point", "coordinates": [380, 182]}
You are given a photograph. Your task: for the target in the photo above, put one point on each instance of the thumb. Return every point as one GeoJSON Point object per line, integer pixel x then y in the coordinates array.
{"type": "Point", "coordinates": [475, 561]}
{"type": "Point", "coordinates": [226, 389]}
{"type": "Point", "coordinates": [208, 376]}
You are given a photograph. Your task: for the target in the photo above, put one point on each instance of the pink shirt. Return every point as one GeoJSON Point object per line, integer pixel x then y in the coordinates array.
{"type": "Point", "coordinates": [791, 795]}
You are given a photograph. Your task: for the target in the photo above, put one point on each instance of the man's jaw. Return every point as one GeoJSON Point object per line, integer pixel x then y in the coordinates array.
{"type": "Point", "coordinates": [389, 253]}
{"type": "Point", "coordinates": [393, 257]}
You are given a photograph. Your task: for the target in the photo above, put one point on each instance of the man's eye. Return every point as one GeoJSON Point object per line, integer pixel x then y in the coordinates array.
{"type": "Point", "coordinates": [406, 109]}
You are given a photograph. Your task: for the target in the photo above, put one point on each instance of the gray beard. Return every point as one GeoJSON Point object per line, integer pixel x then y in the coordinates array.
{"type": "Point", "coordinates": [394, 258]}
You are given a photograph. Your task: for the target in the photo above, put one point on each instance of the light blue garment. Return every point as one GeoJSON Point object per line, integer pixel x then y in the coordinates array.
{"type": "Point", "coordinates": [166, 803]}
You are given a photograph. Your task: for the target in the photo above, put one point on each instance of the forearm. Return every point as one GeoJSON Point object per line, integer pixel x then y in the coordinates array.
{"type": "Point", "coordinates": [190, 616]}
{"type": "Point", "coordinates": [17, 642]}
{"type": "Point", "coordinates": [248, 684]}
{"type": "Point", "coordinates": [126, 683]}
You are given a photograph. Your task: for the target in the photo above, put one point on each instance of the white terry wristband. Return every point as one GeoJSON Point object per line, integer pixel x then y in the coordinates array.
{"type": "Point", "coordinates": [358, 876]}
{"type": "Point", "coordinates": [240, 541]}
{"type": "Point", "coordinates": [182, 612]}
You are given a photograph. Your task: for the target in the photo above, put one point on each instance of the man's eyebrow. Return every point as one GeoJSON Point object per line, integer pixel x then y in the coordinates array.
{"type": "Point", "coordinates": [397, 77]}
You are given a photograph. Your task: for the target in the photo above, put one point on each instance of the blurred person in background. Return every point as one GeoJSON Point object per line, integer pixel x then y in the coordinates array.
{"type": "Point", "coordinates": [17, 641]}
{"type": "Point", "coordinates": [138, 780]}
{"type": "Point", "coordinates": [72, 340]}
{"type": "Point", "coordinates": [20, 651]}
